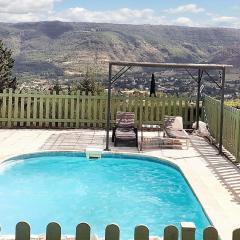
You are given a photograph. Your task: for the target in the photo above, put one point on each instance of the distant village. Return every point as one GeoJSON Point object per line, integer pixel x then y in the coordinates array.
{"type": "Point", "coordinates": [172, 83]}
{"type": "Point", "coordinates": [179, 84]}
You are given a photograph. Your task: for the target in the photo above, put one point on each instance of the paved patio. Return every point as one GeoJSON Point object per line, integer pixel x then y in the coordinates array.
{"type": "Point", "coordinates": [215, 180]}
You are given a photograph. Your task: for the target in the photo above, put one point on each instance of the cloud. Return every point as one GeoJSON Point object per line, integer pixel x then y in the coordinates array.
{"type": "Point", "coordinates": [226, 21]}
{"type": "Point", "coordinates": [123, 15]}
{"type": "Point", "coordinates": [25, 6]}
{"type": "Point", "coordinates": [189, 8]}
{"type": "Point", "coordinates": [13, 18]}
{"type": "Point", "coordinates": [43, 10]}
{"type": "Point", "coordinates": [184, 21]}
{"type": "Point", "coordinates": [26, 10]}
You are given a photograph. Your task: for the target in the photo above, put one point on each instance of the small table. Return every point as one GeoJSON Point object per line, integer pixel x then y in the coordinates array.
{"type": "Point", "coordinates": [150, 128]}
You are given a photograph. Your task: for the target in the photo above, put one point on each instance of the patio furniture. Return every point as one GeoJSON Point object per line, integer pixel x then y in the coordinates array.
{"type": "Point", "coordinates": [125, 130]}
{"type": "Point", "coordinates": [151, 139]}
{"type": "Point", "coordinates": [174, 131]}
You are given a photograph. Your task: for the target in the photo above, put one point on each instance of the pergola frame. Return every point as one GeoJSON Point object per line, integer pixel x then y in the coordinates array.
{"type": "Point", "coordinates": [202, 68]}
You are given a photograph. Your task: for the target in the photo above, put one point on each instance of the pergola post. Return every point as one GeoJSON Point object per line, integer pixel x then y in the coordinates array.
{"type": "Point", "coordinates": [198, 96]}
{"type": "Point", "coordinates": [109, 106]}
{"type": "Point", "coordinates": [222, 111]}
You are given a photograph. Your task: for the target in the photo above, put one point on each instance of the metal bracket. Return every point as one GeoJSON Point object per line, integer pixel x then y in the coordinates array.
{"type": "Point", "coordinates": [119, 74]}
{"type": "Point", "coordinates": [212, 79]}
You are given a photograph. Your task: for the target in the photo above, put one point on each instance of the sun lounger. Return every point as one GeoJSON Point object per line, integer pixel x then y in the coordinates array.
{"type": "Point", "coordinates": [173, 129]}
{"type": "Point", "coordinates": [125, 130]}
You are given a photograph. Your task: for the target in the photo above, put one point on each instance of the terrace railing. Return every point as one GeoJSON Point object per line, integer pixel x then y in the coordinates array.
{"type": "Point", "coordinates": [231, 126]}
{"type": "Point", "coordinates": [112, 232]}
{"type": "Point", "coordinates": [76, 110]}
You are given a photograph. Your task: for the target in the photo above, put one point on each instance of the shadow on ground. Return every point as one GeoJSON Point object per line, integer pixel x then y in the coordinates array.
{"type": "Point", "coordinates": [225, 171]}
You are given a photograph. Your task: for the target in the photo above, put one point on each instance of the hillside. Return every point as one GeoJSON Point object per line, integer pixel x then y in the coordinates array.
{"type": "Point", "coordinates": [65, 49]}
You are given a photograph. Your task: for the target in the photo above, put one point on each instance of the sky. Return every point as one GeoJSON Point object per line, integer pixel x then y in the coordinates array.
{"type": "Point", "coordinates": [198, 13]}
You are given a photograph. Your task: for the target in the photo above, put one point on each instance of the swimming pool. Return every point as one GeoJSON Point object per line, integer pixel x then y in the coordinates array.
{"type": "Point", "coordinates": [68, 188]}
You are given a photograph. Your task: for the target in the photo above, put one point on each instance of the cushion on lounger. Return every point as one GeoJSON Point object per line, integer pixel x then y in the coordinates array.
{"type": "Point", "coordinates": [124, 133]}
{"type": "Point", "coordinates": [125, 119]}
{"type": "Point", "coordinates": [181, 134]}
{"type": "Point", "coordinates": [174, 123]}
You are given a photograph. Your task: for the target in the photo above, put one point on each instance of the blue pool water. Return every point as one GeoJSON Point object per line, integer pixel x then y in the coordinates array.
{"type": "Point", "coordinates": [69, 189]}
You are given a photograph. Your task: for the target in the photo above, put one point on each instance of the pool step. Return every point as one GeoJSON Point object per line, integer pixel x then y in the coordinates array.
{"type": "Point", "coordinates": [93, 152]}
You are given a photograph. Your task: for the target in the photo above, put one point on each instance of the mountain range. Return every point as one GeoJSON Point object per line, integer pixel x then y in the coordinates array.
{"type": "Point", "coordinates": [65, 49]}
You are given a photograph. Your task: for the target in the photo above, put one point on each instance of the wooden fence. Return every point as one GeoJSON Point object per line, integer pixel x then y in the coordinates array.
{"type": "Point", "coordinates": [75, 110]}
{"type": "Point", "coordinates": [231, 126]}
{"type": "Point", "coordinates": [112, 232]}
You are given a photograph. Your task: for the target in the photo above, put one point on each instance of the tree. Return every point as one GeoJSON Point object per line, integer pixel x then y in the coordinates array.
{"type": "Point", "coordinates": [89, 84]}
{"type": "Point", "coordinates": [153, 87]}
{"type": "Point", "coordinates": [7, 80]}
{"type": "Point", "coordinates": [56, 87]}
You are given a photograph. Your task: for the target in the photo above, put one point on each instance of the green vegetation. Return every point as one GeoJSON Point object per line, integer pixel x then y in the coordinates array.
{"type": "Point", "coordinates": [90, 84]}
{"type": "Point", "coordinates": [233, 103]}
{"type": "Point", "coordinates": [56, 87]}
{"type": "Point", "coordinates": [6, 65]}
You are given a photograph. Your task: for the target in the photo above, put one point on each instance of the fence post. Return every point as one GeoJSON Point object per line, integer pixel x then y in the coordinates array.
{"type": "Point", "coordinates": [218, 121]}
{"type": "Point", "coordinates": [141, 232]}
{"type": "Point", "coordinates": [4, 106]}
{"type": "Point", "coordinates": [210, 233]}
{"type": "Point", "coordinates": [78, 108]}
{"type": "Point", "coordinates": [180, 110]}
{"type": "Point", "coordinates": [10, 93]}
{"type": "Point", "coordinates": [188, 231]}
{"type": "Point", "coordinates": [29, 103]}
{"type": "Point", "coordinates": [95, 109]}
{"type": "Point", "coordinates": [186, 105]}
{"type": "Point", "coordinates": [53, 231]}
{"type": "Point", "coordinates": [22, 231]}
{"type": "Point", "coordinates": [112, 232]}
{"type": "Point", "coordinates": [169, 105]}
{"type": "Point", "coordinates": [83, 108]}
{"type": "Point", "coordinates": [163, 109]}
{"type": "Point", "coordinates": [83, 231]}
{"type": "Point", "coordinates": [236, 234]}
{"type": "Point", "coordinates": [47, 109]}
{"type": "Point", "coordinates": [59, 110]}
{"type": "Point", "coordinates": [54, 101]}
{"type": "Point", "coordinates": [170, 233]}
{"type": "Point", "coordinates": [16, 109]}
{"type": "Point", "coordinates": [141, 111]}
{"type": "Point", "coordinates": [66, 109]}
{"type": "Point", "coordinates": [238, 136]}
{"type": "Point", "coordinates": [41, 105]}
{"type": "Point", "coordinates": [22, 109]}
{"type": "Point", "coordinates": [101, 99]}
{"type": "Point", "coordinates": [89, 109]}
